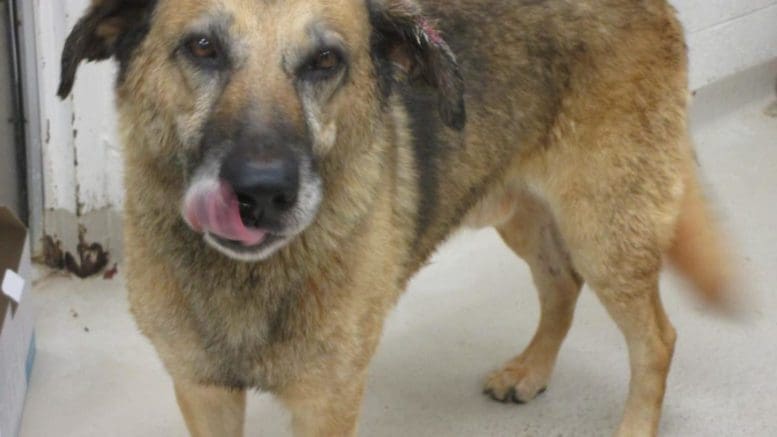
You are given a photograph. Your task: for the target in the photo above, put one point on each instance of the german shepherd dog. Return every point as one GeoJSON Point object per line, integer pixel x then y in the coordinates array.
{"type": "Point", "coordinates": [291, 164]}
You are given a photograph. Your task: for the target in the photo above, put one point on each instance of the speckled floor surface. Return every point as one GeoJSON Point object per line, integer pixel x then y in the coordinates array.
{"type": "Point", "coordinates": [97, 376]}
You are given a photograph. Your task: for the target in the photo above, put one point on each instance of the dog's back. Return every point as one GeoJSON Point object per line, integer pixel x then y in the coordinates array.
{"type": "Point", "coordinates": [532, 70]}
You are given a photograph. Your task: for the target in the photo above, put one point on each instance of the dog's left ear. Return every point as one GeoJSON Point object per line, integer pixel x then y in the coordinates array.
{"type": "Point", "coordinates": [109, 28]}
{"type": "Point", "coordinates": [406, 43]}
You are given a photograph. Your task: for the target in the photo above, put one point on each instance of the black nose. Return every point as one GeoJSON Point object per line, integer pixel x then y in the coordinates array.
{"type": "Point", "coordinates": [266, 187]}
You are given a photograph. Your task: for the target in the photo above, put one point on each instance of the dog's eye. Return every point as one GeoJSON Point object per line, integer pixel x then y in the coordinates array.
{"type": "Point", "coordinates": [322, 65]}
{"type": "Point", "coordinates": [326, 60]}
{"type": "Point", "coordinates": [204, 52]}
{"type": "Point", "coordinates": [202, 47]}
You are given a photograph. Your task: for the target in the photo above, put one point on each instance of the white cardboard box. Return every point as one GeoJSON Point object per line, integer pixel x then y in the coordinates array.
{"type": "Point", "coordinates": [17, 341]}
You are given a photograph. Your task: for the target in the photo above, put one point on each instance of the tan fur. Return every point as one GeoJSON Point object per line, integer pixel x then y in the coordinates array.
{"type": "Point", "coordinates": [698, 250]}
{"type": "Point", "coordinates": [575, 148]}
{"type": "Point", "coordinates": [210, 411]}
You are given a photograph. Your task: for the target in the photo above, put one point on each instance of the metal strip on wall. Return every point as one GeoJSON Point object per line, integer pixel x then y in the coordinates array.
{"type": "Point", "coordinates": [26, 53]}
{"type": "Point", "coordinates": [17, 106]}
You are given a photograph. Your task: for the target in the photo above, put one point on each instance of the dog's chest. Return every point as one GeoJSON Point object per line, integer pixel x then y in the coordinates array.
{"type": "Point", "coordinates": [245, 331]}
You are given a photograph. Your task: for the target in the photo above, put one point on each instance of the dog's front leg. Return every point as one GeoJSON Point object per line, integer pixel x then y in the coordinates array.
{"type": "Point", "coordinates": [211, 411]}
{"type": "Point", "coordinates": [325, 405]}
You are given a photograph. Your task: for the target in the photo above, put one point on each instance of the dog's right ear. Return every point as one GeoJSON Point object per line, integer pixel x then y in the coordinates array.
{"type": "Point", "coordinates": [109, 28]}
{"type": "Point", "coordinates": [406, 43]}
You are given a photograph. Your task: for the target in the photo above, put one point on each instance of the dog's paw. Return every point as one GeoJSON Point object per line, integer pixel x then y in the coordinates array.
{"type": "Point", "coordinates": [517, 382]}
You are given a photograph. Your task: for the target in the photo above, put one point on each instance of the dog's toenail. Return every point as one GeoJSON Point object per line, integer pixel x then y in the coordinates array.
{"type": "Point", "coordinates": [514, 397]}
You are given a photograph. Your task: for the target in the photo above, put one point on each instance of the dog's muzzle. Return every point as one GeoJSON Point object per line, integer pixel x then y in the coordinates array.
{"type": "Point", "coordinates": [253, 193]}
{"type": "Point", "coordinates": [248, 200]}
{"type": "Point", "coordinates": [214, 208]}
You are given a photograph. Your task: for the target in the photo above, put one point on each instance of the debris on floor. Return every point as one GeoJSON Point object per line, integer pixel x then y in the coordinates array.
{"type": "Point", "coordinates": [91, 258]}
{"type": "Point", "coordinates": [53, 256]}
{"type": "Point", "coordinates": [110, 273]}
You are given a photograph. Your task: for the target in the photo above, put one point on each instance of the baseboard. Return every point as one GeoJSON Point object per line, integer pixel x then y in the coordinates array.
{"type": "Point", "coordinates": [103, 226]}
{"type": "Point", "coordinates": [757, 85]}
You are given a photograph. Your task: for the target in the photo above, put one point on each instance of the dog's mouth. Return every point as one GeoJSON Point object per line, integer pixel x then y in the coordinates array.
{"type": "Point", "coordinates": [214, 209]}
{"type": "Point", "coordinates": [240, 247]}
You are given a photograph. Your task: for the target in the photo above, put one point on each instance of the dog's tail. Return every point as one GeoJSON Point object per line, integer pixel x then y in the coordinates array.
{"type": "Point", "coordinates": [700, 251]}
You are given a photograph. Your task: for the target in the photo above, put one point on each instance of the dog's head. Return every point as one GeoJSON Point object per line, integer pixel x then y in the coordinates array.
{"type": "Point", "coordinates": [256, 96]}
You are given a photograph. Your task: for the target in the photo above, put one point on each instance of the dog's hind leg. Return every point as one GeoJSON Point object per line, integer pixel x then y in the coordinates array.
{"type": "Point", "coordinates": [650, 338]}
{"type": "Point", "coordinates": [211, 411]}
{"type": "Point", "coordinates": [533, 235]}
{"type": "Point", "coordinates": [616, 203]}
{"type": "Point", "coordinates": [626, 281]}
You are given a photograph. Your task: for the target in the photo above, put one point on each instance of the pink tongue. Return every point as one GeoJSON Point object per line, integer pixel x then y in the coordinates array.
{"type": "Point", "coordinates": [215, 210]}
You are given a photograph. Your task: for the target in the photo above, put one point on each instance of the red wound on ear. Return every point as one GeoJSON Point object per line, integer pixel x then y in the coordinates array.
{"type": "Point", "coordinates": [430, 31]}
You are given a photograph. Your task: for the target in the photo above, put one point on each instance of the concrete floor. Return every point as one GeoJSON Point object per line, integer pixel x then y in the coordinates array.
{"type": "Point", "coordinates": [470, 310]}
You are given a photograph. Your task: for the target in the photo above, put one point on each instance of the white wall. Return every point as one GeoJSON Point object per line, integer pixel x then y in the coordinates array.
{"type": "Point", "coordinates": [58, 168]}
{"type": "Point", "coordinates": [725, 37]}
{"type": "Point", "coordinates": [81, 154]}
{"type": "Point", "coordinates": [728, 36]}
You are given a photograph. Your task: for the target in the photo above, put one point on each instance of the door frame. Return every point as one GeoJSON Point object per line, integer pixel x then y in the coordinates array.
{"type": "Point", "coordinates": [23, 42]}
{"type": "Point", "coordinates": [15, 108]}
